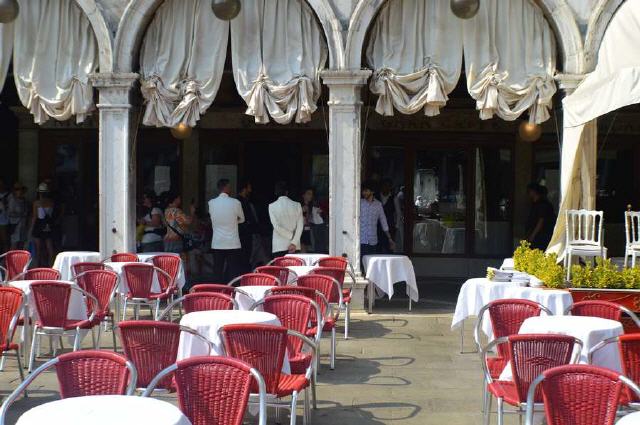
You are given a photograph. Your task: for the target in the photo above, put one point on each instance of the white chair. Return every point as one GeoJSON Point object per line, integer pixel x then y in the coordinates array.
{"type": "Point", "coordinates": [585, 230]}
{"type": "Point", "coordinates": [632, 236]}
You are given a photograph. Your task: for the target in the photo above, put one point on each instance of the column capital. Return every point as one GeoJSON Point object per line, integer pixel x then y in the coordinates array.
{"type": "Point", "coordinates": [356, 77]}
{"type": "Point", "coordinates": [113, 79]}
{"type": "Point", "coordinates": [114, 89]}
{"type": "Point", "coordinates": [345, 87]}
{"type": "Point", "coordinates": [569, 82]}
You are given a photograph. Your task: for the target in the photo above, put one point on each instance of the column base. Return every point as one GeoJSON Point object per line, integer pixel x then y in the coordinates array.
{"type": "Point", "coordinates": [358, 294]}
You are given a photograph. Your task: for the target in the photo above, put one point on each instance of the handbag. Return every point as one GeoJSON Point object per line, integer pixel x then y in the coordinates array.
{"type": "Point", "coordinates": [188, 242]}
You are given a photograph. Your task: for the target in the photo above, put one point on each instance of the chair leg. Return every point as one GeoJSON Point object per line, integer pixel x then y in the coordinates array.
{"type": "Point", "coordinates": [294, 408]}
{"type": "Point", "coordinates": [347, 319]}
{"type": "Point", "coordinates": [500, 412]}
{"type": "Point", "coordinates": [32, 356]}
{"type": "Point", "coordinates": [485, 397]}
{"type": "Point", "coordinates": [93, 337]}
{"type": "Point", "coordinates": [626, 258]}
{"type": "Point", "coordinates": [567, 264]}
{"type": "Point", "coordinates": [124, 309]}
{"type": "Point", "coordinates": [313, 391]}
{"type": "Point", "coordinates": [155, 315]}
{"type": "Point", "coordinates": [4, 357]}
{"type": "Point", "coordinates": [113, 335]}
{"type": "Point", "coordinates": [305, 418]}
{"type": "Point", "coordinates": [333, 349]}
{"type": "Point", "coordinates": [60, 340]}
{"type": "Point", "coordinates": [487, 412]}
{"type": "Point", "coordinates": [76, 341]}
{"type": "Point", "coordinates": [20, 369]}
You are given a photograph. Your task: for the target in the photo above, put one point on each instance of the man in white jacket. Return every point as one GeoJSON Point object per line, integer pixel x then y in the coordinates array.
{"type": "Point", "coordinates": [226, 213]}
{"type": "Point", "coordinates": [288, 223]}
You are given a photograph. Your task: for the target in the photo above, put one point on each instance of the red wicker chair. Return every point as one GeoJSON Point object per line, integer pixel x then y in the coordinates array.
{"type": "Point", "coordinates": [123, 257]}
{"type": "Point", "coordinates": [629, 349]}
{"type": "Point", "coordinates": [579, 395]}
{"type": "Point", "coordinates": [152, 346]}
{"type": "Point", "coordinates": [139, 278]}
{"type": "Point", "coordinates": [264, 347]}
{"type": "Point", "coordinates": [12, 304]}
{"type": "Point", "coordinates": [201, 301]}
{"type": "Point", "coordinates": [170, 264]}
{"type": "Point", "coordinates": [333, 262]}
{"type": "Point", "coordinates": [79, 268]}
{"type": "Point", "coordinates": [326, 286]}
{"type": "Point", "coordinates": [338, 273]}
{"type": "Point", "coordinates": [214, 390]}
{"type": "Point", "coordinates": [295, 312]}
{"type": "Point", "coordinates": [282, 273]}
{"type": "Point", "coordinates": [84, 373]}
{"type": "Point", "coordinates": [51, 299]}
{"type": "Point", "coordinates": [256, 279]}
{"type": "Point", "coordinates": [604, 310]}
{"type": "Point", "coordinates": [102, 284]}
{"type": "Point", "coordinates": [42, 273]}
{"type": "Point", "coordinates": [310, 293]}
{"type": "Point", "coordinates": [287, 262]}
{"type": "Point", "coordinates": [213, 287]}
{"type": "Point", "coordinates": [531, 355]}
{"type": "Point", "coordinates": [15, 262]}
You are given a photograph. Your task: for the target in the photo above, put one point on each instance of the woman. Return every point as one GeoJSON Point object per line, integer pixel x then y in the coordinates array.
{"type": "Point", "coordinates": [18, 213]}
{"type": "Point", "coordinates": [178, 224]}
{"type": "Point", "coordinates": [43, 225]}
{"type": "Point", "coordinates": [154, 230]}
{"type": "Point", "coordinates": [312, 216]}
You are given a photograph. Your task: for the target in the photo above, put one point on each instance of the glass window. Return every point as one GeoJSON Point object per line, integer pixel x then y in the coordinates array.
{"type": "Point", "coordinates": [439, 202]}
{"type": "Point", "coordinates": [493, 192]}
{"type": "Point", "coordinates": [614, 184]}
{"type": "Point", "coordinates": [547, 172]}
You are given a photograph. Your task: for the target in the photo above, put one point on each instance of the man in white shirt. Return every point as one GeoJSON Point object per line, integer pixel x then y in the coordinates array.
{"type": "Point", "coordinates": [288, 223]}
{"type": "Point", "coordinates": [226, 213]}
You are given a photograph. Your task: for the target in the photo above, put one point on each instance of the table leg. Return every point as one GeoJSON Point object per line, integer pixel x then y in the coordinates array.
{"type": "Point", "coordinates": [410, 302]}
{"type": "Point", "coordinates": [370, 287]}
{"type": "Point", "coordinates": [462, 337]}
{"type": "Point", "coordinates": [26, 333]}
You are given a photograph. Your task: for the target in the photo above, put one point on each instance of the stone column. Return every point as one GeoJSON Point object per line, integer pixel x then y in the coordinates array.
{"type": "Point", "coordinates": [117, 194]}
{"type": "Point", "coordinates": [345, 154]}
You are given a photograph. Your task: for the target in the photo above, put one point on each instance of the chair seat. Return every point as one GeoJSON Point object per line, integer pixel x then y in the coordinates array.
{"type": "Point", "coordinates": [300, 363]}
{"type": "Point", "coordinates": [329, 324]}
{"type": "Point", "coordinates": [290, 383]}
{"type": "Point", "coordinates": [586, 250]}
{"type": "Point", "coordinates": [70, 324]}
{"type": "Point", "coordinates": [496, 366]}
{"type": "Point", "coordinates": [9, 347]}
{"type": "Point", "coordinates": [506, 390]}
{"type": "Point", "coordinates": [160, 296]}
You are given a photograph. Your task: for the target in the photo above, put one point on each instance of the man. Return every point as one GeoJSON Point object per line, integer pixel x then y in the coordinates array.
{"type": "Point", "coordinates": [386, 199]}
{"type": "Point", "coordinates": [249, 227]}
{"type": "Point", "coordinates": [372, 213]}
{"type": "Point", "coordinates": [288, 223]}
{"type": "Point", "coordinates": [542, 218]}
{"type": "Point", "coordinates": [226, 213]}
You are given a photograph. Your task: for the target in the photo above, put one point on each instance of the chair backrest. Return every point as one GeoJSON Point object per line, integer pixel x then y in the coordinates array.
{"type": "Point", "coordinates": [533, 354]}
{"type": "Point", "coordinates": [325, 285]}
{"type": "Point", "coordinates": [507, 316]}
{"type": "Point", "coordinates": [256, 279]}
{"type": "Point", "coordinates": [310, 293]}
{"type": "Point", "coordinates": [632, 227]}
{"type": "Point", "coordinates": [580, 395]}
{"type": "Point", "coordinates": [101, 284]}
{"type": "Point", "coordinates": [16, 262]}
{"type": "Point", "coordinates": [213, 390]}
{"type": "Point", "coordinates": [281, 273]}
{"type": "Point", "coordinates": [52, 302]}
{"type": "Point", "coordinates": [151, 346]}
{"type": "Point", "coordinates": [597, 308]}
{"type": "Point", "coordinates": [79, 268]}
{"type": "Point", "coordinates": [170, 264]}
{"type": "Point", "coordinates": [338, 274]}
{"type": "Point", "coordinates": [333, 262]}
{"type": "Point", "coordinates": [629, 346]}
{"type": "Point", "coordinates": [294, 312]}
{"type": "Point", "coordinates": [11, 302]}
{"type": "Point", "coordinates": [205, 301]}
{"type": "Point", "coordinates": [92, 372]}
{"type": "Point", "coordinates": [288, 262]}
{"type": "Point", "coordinates": [139, 279]}
{"type": "Point", "coordinates": [41, 274]}
{"type": "Point", "coordinates": [261, 346]}
{"type": "Point", "coordinates": [213, 287]}
{"type": "Point", "coordinates": [124, 257]}
{"type": "Point", "coordinates": [584, 227]}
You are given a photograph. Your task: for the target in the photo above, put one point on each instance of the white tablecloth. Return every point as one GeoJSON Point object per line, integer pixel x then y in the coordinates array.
{"type": "Point", "coordinates": [386, 270]}
{"type": "Point", "coordinates": [207, 324]}
{"type": "Point", "coordinates": [589, 330]}
{"type": "Point", "coordinates": [476, 293]}
{"type": "Point", "coordinates": [66, 259]}
{"type": "Point", "coordinates": [250, 295]}
{"type": "Point", "coordinates": [77, 307]}
{"type": "Point", "coordinates": [180, 277]}
{"type": "Point", "coordinates": [309, 259]}
{"type": "Point", "coordinates": [105, 410]}
{"type": "Point", "coordinates": [299, 271]}
{"type": "Point", "coordinates": [630, 419]}
{"type": "Point", "coordinates": [123, 286]}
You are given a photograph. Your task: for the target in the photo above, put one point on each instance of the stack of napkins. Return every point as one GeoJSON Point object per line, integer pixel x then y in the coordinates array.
{"type": "Point", "coordinates": [496, 275]}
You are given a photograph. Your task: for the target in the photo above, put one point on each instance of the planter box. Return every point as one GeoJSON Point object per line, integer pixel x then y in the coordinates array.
{"type": "Point", "coordinates": [629, 298]}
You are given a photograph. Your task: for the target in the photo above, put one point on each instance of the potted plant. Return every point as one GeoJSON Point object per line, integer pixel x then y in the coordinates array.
{"type": "Point", "coordinates": [543, 266]}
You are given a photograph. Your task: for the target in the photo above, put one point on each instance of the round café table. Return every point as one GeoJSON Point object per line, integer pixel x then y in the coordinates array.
{"type": "Point", "coordinates": [146, 257]}
{"type": "Point", "coordinates": [208, 323]}
{"type": "Point", "coordinates": [66, 259]}
{"type": "Point", "coordinates": [630, 419]}
{"type": "Point", "coordinates": [105, 410]}
{"type": "Point", "coordinates": [384, 271]}
{"type": "Point", "coordinates": [299, 271]}
{"type": "Point", "coordinates": [310, 259]}
{"type": "Point", "coordinates": [248, 295]}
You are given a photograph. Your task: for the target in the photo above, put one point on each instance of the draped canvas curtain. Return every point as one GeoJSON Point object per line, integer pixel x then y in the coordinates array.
{"type": "Point", "coordinates": [182, 62]}
{"type": "Point", "coordinates": [277, 53]}
{"type": "Point", "coordinates": [509, 53]}
{"type": "Point", "coordinates": [6, 47]}
{"type": "Point", "coordinates": [415, 50]}
{"type": "Point", "coordinates": [55, 51]}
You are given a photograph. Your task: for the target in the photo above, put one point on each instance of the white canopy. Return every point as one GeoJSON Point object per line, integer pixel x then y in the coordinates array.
{"type": "Point", "coordinates": [615, 83]}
